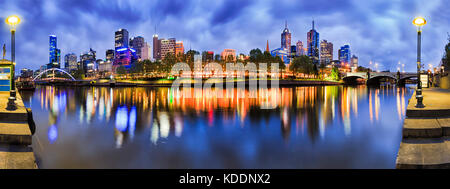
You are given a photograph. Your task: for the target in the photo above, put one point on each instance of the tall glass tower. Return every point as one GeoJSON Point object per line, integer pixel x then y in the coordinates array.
{"type": "Point", "coordinates": [313, 44]}
{"type": "Point", "coordinates": [54, 53]}
{"type": "Point", "coordinates": [286, 38]}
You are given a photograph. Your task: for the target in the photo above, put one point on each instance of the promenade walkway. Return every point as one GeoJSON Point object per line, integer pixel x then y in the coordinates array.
{"type": "Point", "coordinates": [426, 132]}
{"type": "Point", "coordinates": [15, 136]}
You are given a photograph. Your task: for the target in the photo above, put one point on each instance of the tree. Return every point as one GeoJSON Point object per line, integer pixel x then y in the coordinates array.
{"type": "Point", "coordinates": [334, 74]}
{"type": "Point", "coordinates": [302, 64]}
{"type": "Point", "coordinates": [446, 57]}
{"type": "Point", "coordinates": [121, 70]}
{"type": "Point", "coordinates": [256, 56]}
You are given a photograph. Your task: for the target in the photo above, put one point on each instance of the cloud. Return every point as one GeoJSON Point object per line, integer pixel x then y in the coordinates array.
{"type": "Point", "coordinates": [379, 31]}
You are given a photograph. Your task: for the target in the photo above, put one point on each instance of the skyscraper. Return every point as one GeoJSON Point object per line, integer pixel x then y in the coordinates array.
{"type": "Point", "coordinates": [313, 44]}
{"type": "Point", "coordinates": [121, 39]}
{"type": "Point", "coordinates": [344, 55]}
{"type": "Point", "coordinates": [70, 62]}
{"type": "Point", "coordinates": [137, 43]}
{"type": "Point", "coordinates": [286, 38]}
{"type": "Point", "coordinates": [167, 46]}
{"type": "Point", "coordinates": [145, 50]}
{"type": "Point", "coordinates": [88, 60]}
{"type": "Point", "coordinates": [156, 48]}
{"type": "Point", "coordinates": [300, 49]}
{"type": "Point", "coordinates": [179, 48]}
{"type": "Point", "coordinates": [54, 54]}
{"type": "Point", "coordinates": [109, 55]}
{"type": "Point", "coordinates": [354, 63]}
{"type": "Point", "coordinates": [326, 52]}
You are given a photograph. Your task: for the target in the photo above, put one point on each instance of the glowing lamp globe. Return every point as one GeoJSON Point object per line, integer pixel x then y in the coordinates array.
{"type": "Point", "coordinates": [419, 21]}
{"type": "Point", "coordinates": [13, 20]}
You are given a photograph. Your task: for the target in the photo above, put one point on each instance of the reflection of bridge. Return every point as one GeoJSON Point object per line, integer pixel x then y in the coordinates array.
{"type": "Point", "coordinates": [53, 78]}
{"type": "Point", "coordinates": [374, 77]}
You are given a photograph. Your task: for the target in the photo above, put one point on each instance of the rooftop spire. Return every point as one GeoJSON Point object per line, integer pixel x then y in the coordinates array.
{"type": "Point", "coordinates": [313, 24]}
{"type": "Point", "coordinates": [285, 24]}
{"type": "Point", "coordinates": [267, 46]}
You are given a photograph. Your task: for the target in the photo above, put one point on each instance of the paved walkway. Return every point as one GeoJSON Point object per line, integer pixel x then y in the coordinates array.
{"type": "Point", "coordinates": [15, 136]}
{"type": "Point", "coordinates": [426, 132]}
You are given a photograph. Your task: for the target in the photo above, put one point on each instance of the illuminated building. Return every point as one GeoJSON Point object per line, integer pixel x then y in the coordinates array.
{"type": "Point", "coordinates": [300, 49]}
{"type": "Point", "coordinates": [293, 51]}
{"type": "Point", "coordinates": [208, 56]}
{"type": "Point", "coordinates": [354, 63]}
{"type": "Point", "coordinates": [137, 43]}
{"type": "Point", "coordinates": [156, 48]}
{"type": "Point", "coordinates": [121, 39]}
{"type": "Point", "coordinates": [109, 55]}
{"type": "Point", "coordinates": [344, 55]}
{"type": "Point", "coordinates": [88, 60]}
{"type": "Point", "coordinates": [146, 52]}
{"type": "Point", "coordinates": [105, 67]}
{"type": "Point", "coordinates": [228, 55]}
{"type": "Point", "coordinates": [286, 38]}
{"type": "Point", "coordinates": [24, 73]}
{"type": "Point", "coordinates": [179, 48]}
{"type": "Point", "coordinates": [313, 44]}
{"type": "Point", "coordinates": [326, 52]}
{"type": "Point", "coordinates": [124, 55]}
{"type": "Point", "coordinates": [282, 53]}
{"type": "Point", "coordinates": [167, 46]}
{"type": "Point", "coordinates": [70, 62]}
{"type": "Point", "coordinates": [55, 53]}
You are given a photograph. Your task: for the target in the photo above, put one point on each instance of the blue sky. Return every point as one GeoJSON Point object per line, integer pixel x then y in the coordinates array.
{"type": "Point", "coordinates": [379, 31]}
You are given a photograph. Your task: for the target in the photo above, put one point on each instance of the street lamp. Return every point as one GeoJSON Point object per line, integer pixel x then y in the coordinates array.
{"type": "Point", "coordinates": [12, 21]}
{"type": "Point", "coordinates": [419, 22]}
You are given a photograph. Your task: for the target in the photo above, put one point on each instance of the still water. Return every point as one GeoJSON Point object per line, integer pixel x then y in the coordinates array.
{"type": "Point", "coordinates": [139, 127]}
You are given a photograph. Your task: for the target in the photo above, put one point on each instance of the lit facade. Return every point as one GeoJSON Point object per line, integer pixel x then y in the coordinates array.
{"type": "Point", "coordinates": [286, 38]}
{"type": "Point", "coordinates": [179, 48]}
{"type": "Point", "coordinates": [156, 48]}
{"type": "Point", "coordinates": [326, 52]}
{"type": "Point", "coordinates": [313, 44]}
{"type": "Point", "coordinates": [146, 52]}
{"type": "Point", "coordinates": [70, 62]}
{"type": "Point", "coordinates": [344, 55]}
{"type": "Point", "coordinates": [54, 53]}
{"type": "Point", "coordinates": [137, 43]}
{"type": "Point", "coordinates": [167, 46]}
{"type": "Point", "coordinates": [121, 39]}
{"type": "Point", "coordinates": [88, 60]}
{"type": "Point", "coordinates": [300, 48]}
{"type": "Point", "coordinates": [226, 53]}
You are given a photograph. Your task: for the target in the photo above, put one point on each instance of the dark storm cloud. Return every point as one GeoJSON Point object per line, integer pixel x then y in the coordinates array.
{"type": "Point", "coordinates": [377, 31]}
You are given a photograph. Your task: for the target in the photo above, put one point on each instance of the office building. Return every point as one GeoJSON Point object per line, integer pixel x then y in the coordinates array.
{"type": "Point", "coordinates": [344, 55]}
{"type": "Point", "coordinates": [70, 62]}
{"type": "Point", "coordinates": [313, 44]}
{"type": "Point", "coordinates": [179, 48]}
{"type": "Point", "coordinates": [286, 38]}
{"type": "Point", "coordinates": [326, 52]}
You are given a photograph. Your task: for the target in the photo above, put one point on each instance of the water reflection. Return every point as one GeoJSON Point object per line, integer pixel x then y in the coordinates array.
{"type": "Point", "coordinates": [164, 110]}
{"type": "Point", "coordinates": [156, 116]}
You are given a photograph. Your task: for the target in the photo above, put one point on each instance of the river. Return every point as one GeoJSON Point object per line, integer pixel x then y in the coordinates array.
{"type": "Point", "coordinates": [145, 127]}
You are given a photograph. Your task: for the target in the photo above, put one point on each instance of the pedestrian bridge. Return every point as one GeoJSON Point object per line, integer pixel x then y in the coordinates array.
{"type": "Point", "coordinates": [374, 77]}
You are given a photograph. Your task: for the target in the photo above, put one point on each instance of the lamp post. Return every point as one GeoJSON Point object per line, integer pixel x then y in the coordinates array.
{"type": "Point", "coordinates": [12, 21]}
{"type": "Point", "coordinates": [419, 22]}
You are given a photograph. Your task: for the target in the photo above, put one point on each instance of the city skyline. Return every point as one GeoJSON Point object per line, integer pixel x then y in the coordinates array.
{"type": "Point", "coordinates": [378, 34]}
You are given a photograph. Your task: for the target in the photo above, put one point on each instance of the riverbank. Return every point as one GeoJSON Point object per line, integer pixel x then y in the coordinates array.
{"type": "Point", "coordinates": [426, 132]}
{"type": "Point", "coordinates": [168, 83]}
{"type": "Point", "coordinates": [15, 136]}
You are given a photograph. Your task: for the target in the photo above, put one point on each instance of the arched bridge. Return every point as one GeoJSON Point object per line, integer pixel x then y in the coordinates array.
{"type": "Point", "coordinates": [372, 77]}
{"type": "Point", "coordinates": [53, 70]}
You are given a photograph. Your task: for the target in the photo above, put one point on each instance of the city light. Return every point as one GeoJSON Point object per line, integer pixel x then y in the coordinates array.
{"type": "Point", "coordinates": [419, 21]}
{"type": "Point", "coordinates": [13, 20]}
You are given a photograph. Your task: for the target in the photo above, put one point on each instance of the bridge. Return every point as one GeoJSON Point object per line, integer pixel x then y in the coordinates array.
{"type": "Point", "coordinates": [53, 78]}
{"type": "Point", "coordinates": [374, 77]}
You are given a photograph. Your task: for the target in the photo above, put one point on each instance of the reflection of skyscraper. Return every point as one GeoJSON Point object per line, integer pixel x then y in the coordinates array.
{"type": "Point", "coordinates": [313, 44]}
{"type": "Point", "coordinates": [326, 52]}
{"type": "Point", "coordinates": [286, 39]}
